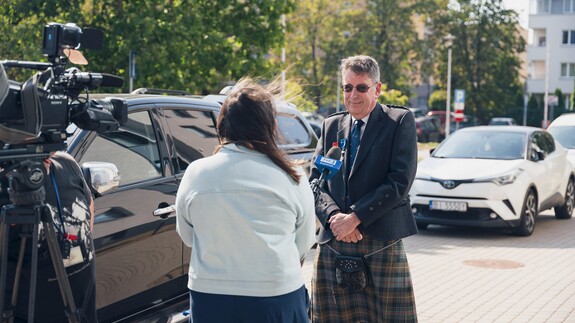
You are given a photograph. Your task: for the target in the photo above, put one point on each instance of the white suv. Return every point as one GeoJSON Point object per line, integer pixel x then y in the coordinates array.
{"type": "Point", "coordinates": [494, 177]}
{"type": "Point", "coordinates": [563, 130]}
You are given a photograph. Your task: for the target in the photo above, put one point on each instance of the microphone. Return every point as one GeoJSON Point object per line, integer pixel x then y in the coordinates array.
{"type": "Point", "coordinates": [93, 80]}
{"type": "Point", "coordinates": [328, 166]}
{"type": "Point", "coordinates": [111, 80]}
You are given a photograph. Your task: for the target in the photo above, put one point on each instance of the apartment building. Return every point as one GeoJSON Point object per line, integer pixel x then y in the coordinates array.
{"type": "Point", "coordinates": [551, 49]}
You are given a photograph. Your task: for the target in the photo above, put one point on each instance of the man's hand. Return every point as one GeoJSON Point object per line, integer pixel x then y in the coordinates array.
{"type": "Point", "coordinates": [354, 237]}
{"type": "Point", "coordinates": [342, 224]}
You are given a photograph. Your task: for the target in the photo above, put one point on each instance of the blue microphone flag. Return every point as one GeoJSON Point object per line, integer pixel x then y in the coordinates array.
{"type": "Point", "coordinates": [324, 163]}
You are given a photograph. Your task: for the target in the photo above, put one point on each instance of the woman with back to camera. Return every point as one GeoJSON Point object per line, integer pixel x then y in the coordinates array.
{"type": "Point", "coordinates": [247, 212]}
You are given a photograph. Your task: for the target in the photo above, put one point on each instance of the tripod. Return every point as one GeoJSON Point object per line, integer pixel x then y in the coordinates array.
{"type": "Point", "coordinates": [29, 210]}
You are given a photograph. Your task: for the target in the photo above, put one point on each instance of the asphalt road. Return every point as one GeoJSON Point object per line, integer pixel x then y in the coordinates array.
{"type": "Point", "coordinates": [480, 275]}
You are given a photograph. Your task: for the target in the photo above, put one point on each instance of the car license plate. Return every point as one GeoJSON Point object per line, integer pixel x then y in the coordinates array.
{"type": "Point", "coordinates": [448, 206]}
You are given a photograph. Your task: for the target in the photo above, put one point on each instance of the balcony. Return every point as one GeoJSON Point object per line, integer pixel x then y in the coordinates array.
{"type": "Point", "coordinates": [536, 53]}
{"type": "Point", "coordinates": [536, 85]}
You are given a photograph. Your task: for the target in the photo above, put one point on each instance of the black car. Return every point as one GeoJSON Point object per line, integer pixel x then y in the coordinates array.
{"type": "Point", "coordinates": [134, 172]}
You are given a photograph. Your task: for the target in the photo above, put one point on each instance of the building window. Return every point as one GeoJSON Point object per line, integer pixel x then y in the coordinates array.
{"type": "Point", "coordinates": [567, 69]}
{"type": "Point", "coordinates": [568, 5]}
{"type": "Point", "coordinates": [543, 6]}
{"type": "Point", "coordinates": [568, 37]}
{"type": "Point", "coordinates": [542, 41]}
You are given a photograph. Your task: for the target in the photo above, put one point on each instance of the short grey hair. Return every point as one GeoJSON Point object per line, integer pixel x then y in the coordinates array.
{"type": "Point", "coordinates": [361, 64]}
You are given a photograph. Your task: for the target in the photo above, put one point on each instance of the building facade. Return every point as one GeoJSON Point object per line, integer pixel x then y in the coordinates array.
{"type": "Point", "coordinates": [551, 48]}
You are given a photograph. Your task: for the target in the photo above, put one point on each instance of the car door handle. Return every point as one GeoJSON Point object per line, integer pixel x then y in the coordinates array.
{"type": "Point", "coordinates": [165, 212]}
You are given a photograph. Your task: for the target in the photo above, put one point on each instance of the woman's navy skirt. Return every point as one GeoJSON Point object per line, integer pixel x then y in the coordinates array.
{"type": "Point", "coordinates": [215, 308]}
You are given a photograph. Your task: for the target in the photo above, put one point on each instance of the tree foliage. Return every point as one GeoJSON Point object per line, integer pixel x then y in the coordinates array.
{"type": "Point", "coordinates": [392, 96]}
{"type": "Point", "coordinates": [485, 51]}
{"type": "Point", "coordinates": [438, 100]}
{"type": "Point", "coordinates": [559, 108]}
{"type": "Point", "coordinates": [201, 46]}
{"type": "Point", "coordinates": [534, 112]}
{"type": "Point", "coordinates": [321, 33]}
{"type": "Point", "coordinates": [187, 45]}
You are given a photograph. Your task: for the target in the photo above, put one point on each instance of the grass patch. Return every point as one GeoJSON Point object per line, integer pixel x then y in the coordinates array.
{"type": "Point", "coordinates": [426, 145]}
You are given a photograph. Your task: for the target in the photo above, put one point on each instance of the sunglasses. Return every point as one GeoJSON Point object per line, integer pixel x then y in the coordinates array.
{"type": "Point", "coordinates": [361, 88]}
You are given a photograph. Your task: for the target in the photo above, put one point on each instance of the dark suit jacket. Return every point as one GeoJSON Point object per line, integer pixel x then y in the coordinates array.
{"type": "Point", "coordinates": [380, 180]}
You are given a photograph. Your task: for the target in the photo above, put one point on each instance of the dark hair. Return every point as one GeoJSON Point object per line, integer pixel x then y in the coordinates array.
{"type": "Point", "coordinates": [248, 118]}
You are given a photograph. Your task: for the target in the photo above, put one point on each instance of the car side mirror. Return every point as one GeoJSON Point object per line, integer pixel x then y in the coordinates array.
{"type": "Point", "coordinates": [541, 155]}
{"type": "Point", "coordinates": [102, 177]}
{"type": "Point", "coordinates": [537, 155]}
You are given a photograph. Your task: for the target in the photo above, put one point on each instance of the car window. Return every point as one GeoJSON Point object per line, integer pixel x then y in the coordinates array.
{"type": "Point", "coordinates": [478, 144]}
{"type": "Point", "coordinates": [538, 144]}
{"type": "Point", "coordinates": [549, 142]}
{"type": "Point", "coordinates": [565, 135]}
{"type": "Point", "coordinates": [194, 133]}
{"type": "Point", "coordinates": [541, 142]}
{"type": "Point", "coordinates": [132, 148]}
{"type": "Point", "coordinates": [292, 131]}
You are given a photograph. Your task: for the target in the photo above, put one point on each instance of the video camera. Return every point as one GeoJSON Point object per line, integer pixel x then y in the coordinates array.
{"type": "Point", "coordinates": [33, 123]}
{"type": "Point", "coordinates": [33, 119]}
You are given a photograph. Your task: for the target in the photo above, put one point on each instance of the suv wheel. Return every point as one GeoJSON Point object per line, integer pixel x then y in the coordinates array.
{"type": "Point", "coordinates": [566, 210]}
{"type": "Point", "coordinates": [528, 214]}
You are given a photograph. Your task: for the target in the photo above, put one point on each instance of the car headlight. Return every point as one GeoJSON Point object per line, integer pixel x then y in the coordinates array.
{"type": "Point", "coordinates": [503, 179]}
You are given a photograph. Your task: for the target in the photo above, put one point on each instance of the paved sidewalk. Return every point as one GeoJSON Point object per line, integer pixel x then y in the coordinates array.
{"type": "Point", "coordinates": [476, 275]}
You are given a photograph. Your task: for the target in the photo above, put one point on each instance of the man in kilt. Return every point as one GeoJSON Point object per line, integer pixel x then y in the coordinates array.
{"type": "Point", "coordinates": [364, 208]}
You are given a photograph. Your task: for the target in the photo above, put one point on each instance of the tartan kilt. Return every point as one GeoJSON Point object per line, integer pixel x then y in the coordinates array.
{"type": "Point", "coordinates": [388, 296]}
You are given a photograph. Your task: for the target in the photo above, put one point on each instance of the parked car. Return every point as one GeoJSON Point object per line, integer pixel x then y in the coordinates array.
{"type": "Point", "coordinates": [316, 126]}
{"type": "Point", "coordinates": [134, 172]}
{"type": "Point", "coordinates": [418, 112]}
{"type": "Point", "coordinates": [563, 130]}
{"type": "Point", "coordinates": [313, 116]}
{"type": "Point", "coordinates": [441, 115]}
{"type": "Point", "coordinates": [438, 125]}
{"type": "Point", "coordinates": [297, 137]}
{"type": "Point", "coordinates": [427, 130]}
{"type": "Point", "coordinates": [502, 121]}
{"type": "Point", "coordinates": [468, 121]}
{"type": "Point", "coordinates": [315, 121]}
{"type": "Point", "coordinates": [496, 177]}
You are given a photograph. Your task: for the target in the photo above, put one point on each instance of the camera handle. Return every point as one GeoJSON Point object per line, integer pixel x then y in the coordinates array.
{"type": "Point", "coordinates": [32, 217]}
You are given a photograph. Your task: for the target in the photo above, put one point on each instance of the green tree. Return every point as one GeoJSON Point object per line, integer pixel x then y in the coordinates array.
{"type": "Point", "coordinates": [392, 96]}
{"type": "Point", "coordinates": [485, 51]}
{"type": "Point", "coordinates": [309, 28]}
{"type": "Point", "coordinates": [322, 33]}
{"type": "Point", "coordinates": [438, 100]}
{"type": "Point", "coordinates": [187, 45]}
{"type": "Point", "coordinates": [558, 109]}
{"type": "Point", "coordinates": [390, 37]}
{"type": "Point", "coordinates": [534, 112]}
{"type": "Point", "coordinates": [295, 94]}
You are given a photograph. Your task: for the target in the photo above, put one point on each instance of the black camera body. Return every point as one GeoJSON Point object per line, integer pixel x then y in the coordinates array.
{"type": "Point", "coordinates": [35, 114]}
{"type": "Point", "coordinates": [35, 117]}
